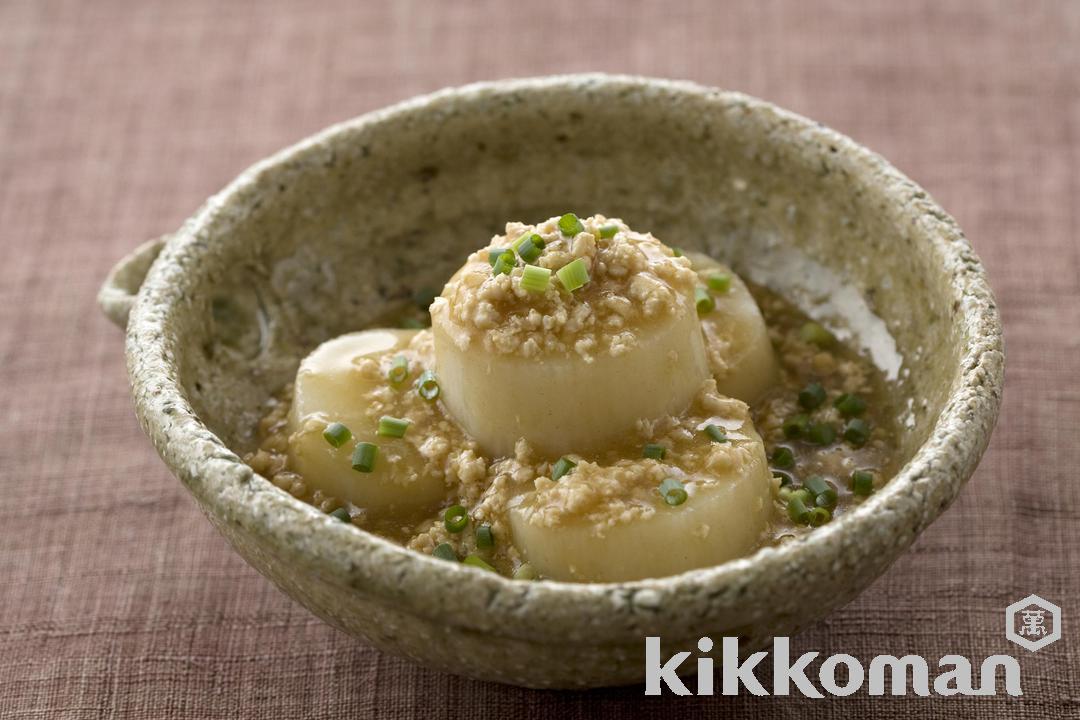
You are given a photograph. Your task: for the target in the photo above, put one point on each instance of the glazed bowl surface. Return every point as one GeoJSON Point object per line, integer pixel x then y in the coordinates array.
{"type": "Point", "coordinates": [323, 237]}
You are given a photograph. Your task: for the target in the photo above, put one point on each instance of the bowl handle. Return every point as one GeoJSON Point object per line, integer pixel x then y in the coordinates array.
{"type": "Point", "coordinates": [117, 293]}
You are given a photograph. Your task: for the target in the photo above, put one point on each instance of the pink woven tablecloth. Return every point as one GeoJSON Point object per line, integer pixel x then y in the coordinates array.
{"type": "Point", "coordinates": [117, 599]}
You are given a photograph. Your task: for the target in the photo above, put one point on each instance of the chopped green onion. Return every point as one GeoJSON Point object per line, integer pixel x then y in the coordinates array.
{"type": "Point", "coordinates": [797, 510]}
{"type": "Point", "coordinates": [812, 396]}
{"type": "Point", "coordinates": [455, 518]}
{"type": "Point", "coordinates": [857, 432]}
{"type": "Point", "coordinates": [570, 226]}
{"type": "Point", "coordinates": [850, 405]}
{"type": "Point", "coordinates": [785, 479]}
{"type": "Point", "coordinates": [677, 252]}
{"type": "Point", "coordinates": [704, 301]}
{"type": "Point", "coordinates": [821, 433]}
{"type": "Point", "coordinates": [719, 282]}
{"type": "Point", "coordinates": [782, 457]}
{"type": "Point", "coordinates": [525, 571]}
{"type": "Point", "coordinates": [803, 494]}
{"type": "Point", "coordinates": [399, 370]}
{"type": "Point", "coordinates": [504, 263]}
{"type": "Point", "coordinates": [573, 274]}
{"type": "Point", "coordinates": [673, 492]}
{"type": "Point", "coordinates": [392, 426]}
{"type": "Point", "coordinates": [521, 240]}
{"type": "Point", "coordinates": [445, 551]}
{"type": "Point", "coordinates": [816, 334]}
{"type": "Point", "coordinates": [562, 467]}
{"type": "Point", "coordinates": [862, 482]}
{"type": "Point", "coordinates": [427, 386]}
{"type": "Point", "coordinates": [716, 433]}
{"type": "Point", "coordinates": [485, 538]}
{"type": "Point", "coordinates": [608, 231]}
{"type": "Point", "coordinates": [796, 426]}
{"type": "Point", "coordinates": [494, 254]}
{"type": "Point", "coordinates": [823, 493]}
{"type": "Point", "coordinates": [784, 493]}
{"type": "Point", "coordinates": [363, 457]}
{"type": "Point", "coordinates": [341, 514]}
{"type": "Point", "coordinates": [654, 452]}
{"type": "Point", "coordinates": [337, 434]}
{"type": "Point", "coordinates": [477, 562]}
{"type": "Point", "coordinates": [411, 323]}
{"type": "Point", "coordinates": [535, 279]}
{"type": "Point", "coordinates": [530, 249]}
{"type": "Point", "coordinates": [819, 516]}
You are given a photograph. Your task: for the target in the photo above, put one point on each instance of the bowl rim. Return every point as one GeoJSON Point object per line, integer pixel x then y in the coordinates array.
{"type": "Point", "coordinates": [228, 490]}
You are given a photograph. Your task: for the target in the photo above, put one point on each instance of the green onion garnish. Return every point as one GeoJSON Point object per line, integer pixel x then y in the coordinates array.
{"type": "Point", "coordinates": [716, 433]}
{"type": "Point", "coordinates": [485, 538]}
{"type": "Point", "coordinates": [341, 514]}
{"type": "Point", "coordinates": [363, 457]}
{"type": "Point", "coordinates": [677, 252]}
{"type": "Point", "coordinates": [455, 518]}
{"type": "Point", "coordinates": [797, 510]}
{"type": "Point", "coordinates": [477, 562]}
{"type": "Point", "coordinates": [337, 434]}
{"type": "Point", "coordinates": [782, 457]}
{"type": "Point", "coordinates": [493, 255]}
{"type": "Point", "coordinates": [535, 279]}
{"type": "Point", "coordinates": [427, 386]}
{"type": "Point", "coordinates": [719, 282]}
{"type": "Point", "coordinates": [673, 492]}
{"type": "Point", "coordinates": [392, 426]}
{"type": "Point", "coordinates": [561, 467]}
{"type": "Point", "coordinates": [816, 334]}
{"type": "Point", "coordinates": [796, 426]}
{"type": "Point", "coordinates": [569, 225]}
{"type": "Point", "coordinates": [411, 323]}
{"type": "Point", "coordinates": [823, 493]}
{"type": "Point", "coordinates": [785, 479]}
{"type": "Point", "coordinates": [444, 551]}
{"type": "Point", "coordinates": [812, 396]}
{"type": "Point", "coordinates": [531, 248]}
{"type": "Point", "coordinates": [704, 301]}
{"type": "Point", "coordinates": [857, 432]}
{"type": "Point", "coordinates": [573, 274]}
{"type": "Point", "coordinates": [504, 263]}
{"type": "Point", "coordinates": [819, 516]}
{"type": "Point", "coordinates": [399, 370]}
{"type": "Point", "coordinates": [862, 482]}
{"type": "Point", "coordinates": [608, 231]}
{"type": "Point", "coordinates": [654, 452]}
{"type": "Point", "coordinates": [525, 571]}
{"type": "Point", "coordinates": [821, 433]}
{"type": "Point", "coordinates": [850, 405]}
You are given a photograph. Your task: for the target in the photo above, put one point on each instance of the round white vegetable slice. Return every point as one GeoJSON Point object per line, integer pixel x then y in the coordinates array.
{"type": "Point", "coordinates": [619, 537]}
{"type": "Point", "coordinates": [332, 387]}
{"type": "Point", "coordinates": [562, 403]}
{"type": "Point", "coordinates": [737, 343]}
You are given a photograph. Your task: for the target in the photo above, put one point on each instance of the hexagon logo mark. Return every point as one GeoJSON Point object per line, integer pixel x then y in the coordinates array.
{"type": "Point", "coordinates": [1033, 623]}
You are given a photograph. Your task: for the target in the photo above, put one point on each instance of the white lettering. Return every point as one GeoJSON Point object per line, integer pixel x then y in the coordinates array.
{"type": "Point", "coordinates": [734, 673]}
{"type": "Point", "coordinates": [655, 672]}
{"type": "Point", "coordinates": [784, 673]}
{"type": "Point", "coordinates": [827, 675]}
{"type": "Point", "coordinates": [920, 674]}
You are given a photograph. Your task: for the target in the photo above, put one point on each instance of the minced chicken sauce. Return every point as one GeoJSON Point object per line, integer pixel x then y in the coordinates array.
{"type": "Point", "coordinates": [826, 419]}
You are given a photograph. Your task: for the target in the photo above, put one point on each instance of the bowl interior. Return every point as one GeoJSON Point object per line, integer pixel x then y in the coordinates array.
{"type": "Point", "coordinates": [326, 237]}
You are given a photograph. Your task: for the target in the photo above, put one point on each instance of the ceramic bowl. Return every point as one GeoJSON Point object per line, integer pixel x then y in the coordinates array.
{"type": "Point", "coordinates": [322, 237]}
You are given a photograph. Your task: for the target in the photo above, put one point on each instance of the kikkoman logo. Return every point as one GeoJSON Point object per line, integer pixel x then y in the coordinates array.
{"type": "Point", "coordinates": [953, 677]}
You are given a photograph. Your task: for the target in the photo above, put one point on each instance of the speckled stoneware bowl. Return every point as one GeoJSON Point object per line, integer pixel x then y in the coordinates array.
{"type": "Point", "coordinates": [318, 239]}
